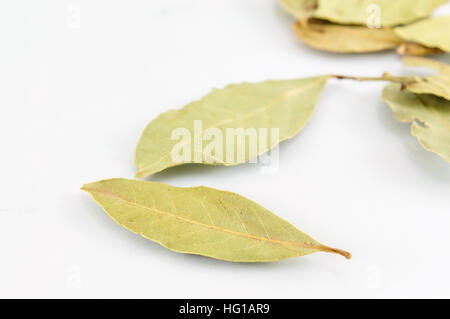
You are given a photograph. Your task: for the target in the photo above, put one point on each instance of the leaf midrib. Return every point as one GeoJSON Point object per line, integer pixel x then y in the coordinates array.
{"type": "Point", "coordinates": [273, 241]}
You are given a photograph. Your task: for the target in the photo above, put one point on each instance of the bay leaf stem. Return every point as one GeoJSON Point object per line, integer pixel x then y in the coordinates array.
{"type": "Point", "coordinates": [385, 77]}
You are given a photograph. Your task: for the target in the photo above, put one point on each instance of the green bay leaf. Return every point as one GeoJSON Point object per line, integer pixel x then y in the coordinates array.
{"type": "Point", "coordinates": [203, 221]}
{"type": "Point", "coordinates": [432, 33]}
{"type": "Point", "coordinates": [435, 84]}
{"type": "Point", "coordinates": [429, 115]}
{"type": "Point", "coordinates": [285, 105]}
{"type": "Point", "coordinates": [346, 39]}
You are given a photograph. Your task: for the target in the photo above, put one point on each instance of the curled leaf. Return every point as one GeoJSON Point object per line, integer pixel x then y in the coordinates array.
{"type": "Point", "coordinates": [283, 105]}
{"type": "Point", "coordinates": [431, 33]}
{"type": "Point", "coordinates": [435, 84]}
{"type": "Point", "coordinates": [203, 221]}
{"type": "Point", "coordinates": [429, 115]}
{"type": "Point", "coordinates": [346, 39]}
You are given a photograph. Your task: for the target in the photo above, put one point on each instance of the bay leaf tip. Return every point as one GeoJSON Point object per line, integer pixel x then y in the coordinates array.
{"type": "Point", "coordinates": [89, 187]}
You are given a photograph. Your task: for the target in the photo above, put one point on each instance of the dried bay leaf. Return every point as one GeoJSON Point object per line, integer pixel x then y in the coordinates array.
{"type": "Point", "coordinates": [392, 12]}
{"type": "Point", "coordinates": [287, 105]}
{"type": "Point", "coordinates": [346, 39]}
{"type": "Point", "coordinates": [362, 12]}
{"type": "Point", "coordinates": [432, 33]}
{"type": "Point", "coordinates": [429, 115]}
{"type": "Point", "coordinates": [203, 221]}
{"type": "Point", "coordinates": [435, 84]}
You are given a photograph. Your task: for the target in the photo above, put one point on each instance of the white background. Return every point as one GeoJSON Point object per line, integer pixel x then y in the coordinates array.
{"type": "Point", "coordinates": [79, 81]}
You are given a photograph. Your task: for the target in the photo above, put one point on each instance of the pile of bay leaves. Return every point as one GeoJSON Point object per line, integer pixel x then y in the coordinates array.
{"type": "Point", "coordinates": [227, 226]}
{"type": "Point", "coordinates": [359, 26]}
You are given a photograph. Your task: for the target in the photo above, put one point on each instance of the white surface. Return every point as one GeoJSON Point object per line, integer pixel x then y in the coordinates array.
{"type": "Point", "coordinates": [76, 94]}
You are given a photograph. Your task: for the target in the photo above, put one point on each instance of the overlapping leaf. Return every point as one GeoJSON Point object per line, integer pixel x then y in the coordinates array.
{"type": "Point", "coordinates": [286, 105]}
{"type": "Point", "coordinates": [438, 85]}
{"type": "Point", "coordinates": [350, 29]}
{"type": "Point", "coordinates": [429, 115]}
{"type": "Point", "coordinates": [432, 33]}
{"type": "Point", "coordinates": [203, 221]}
{"type": "Point", "coordinates": [346, 39]}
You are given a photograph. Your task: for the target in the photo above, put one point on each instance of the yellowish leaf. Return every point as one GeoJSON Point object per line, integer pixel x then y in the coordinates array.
{"type": "Point", "coordinates": [435, 84]}
{"type": "Point", "coordinates": [346, 39]}
{"type": "Point", "coordinates": [203, 221]}
{"type": "Point", "coordinates": [432, 33]}
{"type": "Point", "coordinates": [364, 12]}
{"type": "Point", "coordinates": [429, 115]}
